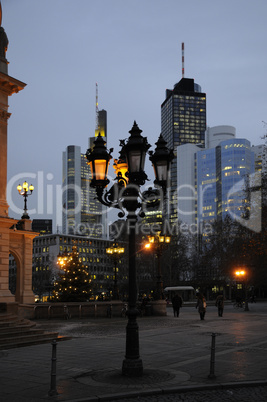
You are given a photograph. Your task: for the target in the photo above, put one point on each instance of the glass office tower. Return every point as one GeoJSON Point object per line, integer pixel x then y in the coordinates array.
{"type": "Point", "coordinates": [71, 189]}
{"type": "Point", "coordinates": [183, 120]}
{"type": "Point", "coordinates": [206, 185]}
{"type": "Point", "coordinates": [222, 174]}
{"type": "Point", "coordinates": [234, 163]}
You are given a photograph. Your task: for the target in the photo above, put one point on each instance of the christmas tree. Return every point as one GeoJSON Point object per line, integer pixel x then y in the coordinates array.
{"type": "Point", "coordinates": [74, 283]}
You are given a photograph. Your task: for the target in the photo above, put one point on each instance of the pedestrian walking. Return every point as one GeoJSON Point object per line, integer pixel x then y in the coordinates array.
{"type": "Point", "coordinates": [177, 303]}
{"type": "Point", "coordinates": [109, 310]}
{"type": "Point", "coordinates": [66, 313]}
{"type": "Point", "coordinates": [219, 303]}
{"type": "Point", "coordinates": [201, 305]}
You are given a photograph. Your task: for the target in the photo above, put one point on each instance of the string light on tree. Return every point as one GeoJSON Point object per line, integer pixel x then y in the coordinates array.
{"type": "Point", "coordinates": [74, 284]}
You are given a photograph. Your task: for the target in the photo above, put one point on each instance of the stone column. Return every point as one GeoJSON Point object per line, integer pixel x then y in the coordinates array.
{"type": "Point", "coordinates": [4, 116]}
{"type": "Point", "coordinates": [5, 294]}
{"type": "Point", "coordinates": [8, 86]}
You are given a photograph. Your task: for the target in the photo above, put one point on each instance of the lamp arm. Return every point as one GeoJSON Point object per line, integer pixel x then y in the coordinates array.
{"type": "Point", "coordinates": [108, 198]}
{"type": "Point", "coordinates": [122, 182]}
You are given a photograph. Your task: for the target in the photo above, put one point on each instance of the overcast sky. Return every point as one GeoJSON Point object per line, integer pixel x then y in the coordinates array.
{"type": "Point", "coordinates": [132, 49]}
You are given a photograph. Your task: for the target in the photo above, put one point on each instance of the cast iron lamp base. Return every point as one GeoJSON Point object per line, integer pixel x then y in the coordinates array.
{"type": "Point", "coordinates": [132, 367]}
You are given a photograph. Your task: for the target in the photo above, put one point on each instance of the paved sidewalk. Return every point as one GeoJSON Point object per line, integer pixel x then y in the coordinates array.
{"type": "Point", "coordinates": [175, 353]}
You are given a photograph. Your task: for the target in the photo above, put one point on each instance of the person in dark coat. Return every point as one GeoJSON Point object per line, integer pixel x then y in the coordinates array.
{"type": "Point", "coordinates": [201, 305]}
{"type": "Point", "coordinates": [220, 304]}
{"type": "Point", "coordinates": [176, 305]}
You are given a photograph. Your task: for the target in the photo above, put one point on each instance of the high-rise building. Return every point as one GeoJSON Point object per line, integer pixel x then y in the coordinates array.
{"type": "Point", "coordinates": [101, 123]}
{"type": "Point", "coordinates": [82, 213]}
{"type": "Point", "coordinates": [183, 120]}
{"type": "Point", "coordinates": [186, 183]}
{"type": "Point", "coordinates": [222, 174]}
{"type": "Point", "coordinates": [215, 135]}
{"type": "Point", "coordinates": [260, 157]}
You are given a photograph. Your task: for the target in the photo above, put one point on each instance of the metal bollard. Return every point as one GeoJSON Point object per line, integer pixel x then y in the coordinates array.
{"type": "Point", "coordinates": [53, 385]}
{"type": "Point", "coordinates": [212, 356]}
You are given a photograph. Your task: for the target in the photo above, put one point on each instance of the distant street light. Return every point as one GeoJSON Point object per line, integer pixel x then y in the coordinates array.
{"type": "Point", "coordinates": [242, 275]}
{"type": "Point", "coordinates": [62, 259]}
{"type": "Point", "coordinates": [25, 190]}
{"type": "Point", "coordinates": [159, 242]}
{"type": "Point", "coordinates": [114, 252]}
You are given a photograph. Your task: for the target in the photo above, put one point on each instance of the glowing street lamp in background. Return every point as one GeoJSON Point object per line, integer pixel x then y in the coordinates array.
{"type": "Point", "coordinates": [159, 242]}
{"type": "Point", "coordinates": [114, 252]}
{"type": "Point", "coordinates": [62, 259]}
{"type": "Point", "coordinates": [25, 190]}
{"type": "Point", "coordinates": [241, 274]}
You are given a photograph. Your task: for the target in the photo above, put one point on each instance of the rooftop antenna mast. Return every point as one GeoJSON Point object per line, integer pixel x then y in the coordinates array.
{"type": "Point", "coordinates": [96, 108]}
{"type": "Point", "coordinates": [182, 59]}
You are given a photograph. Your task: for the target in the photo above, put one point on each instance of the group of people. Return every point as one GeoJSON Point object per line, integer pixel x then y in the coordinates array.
{"type": "Point", "coordinates": [201, 305]}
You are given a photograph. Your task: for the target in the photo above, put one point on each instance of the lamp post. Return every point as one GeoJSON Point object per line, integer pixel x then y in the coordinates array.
{"type": "Point", "coordinates": [159, 242]}
{"type": "Point", "coordinates": [125, 195]}
{"type": "Point", "coordinates": [62, 259]}
{"type": "Point", "coordinates": [242, 274]}
{"type": "Point", "coordinates": [161, 160]}
{"type": "Point", "coordinates": [25, 190]}
{"type": "Point", "coordinates": [115, 251]}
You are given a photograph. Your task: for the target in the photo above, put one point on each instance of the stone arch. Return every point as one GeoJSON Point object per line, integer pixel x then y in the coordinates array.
{"type": "Point", "coordinates": [20, 245]}
{"type": "Point", "coordinates": [18, 260]}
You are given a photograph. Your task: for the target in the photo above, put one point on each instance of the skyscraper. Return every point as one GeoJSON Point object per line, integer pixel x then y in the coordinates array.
{"type": "Point", "coordinates": [101, 123]}
{"type": "Point", "coordinates": [222, 173]}
{"type": "Point", "coordinates": [183, 120]}
{"type": "Point", "coordinates": [82, 213]}
{"type": "Point", "coordinates": [188, 161]}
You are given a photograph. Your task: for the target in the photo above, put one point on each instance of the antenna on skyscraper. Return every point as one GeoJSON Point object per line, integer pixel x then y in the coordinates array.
{"type": "Point", "coordinates": [182, 59]}
{"type": "Point", "coordinates": [96, 107]}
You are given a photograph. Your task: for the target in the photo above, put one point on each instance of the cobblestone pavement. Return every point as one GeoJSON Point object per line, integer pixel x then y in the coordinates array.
{"type": "Point", "coordinates": [244, 394]}
{"type": "Point", "coordinates": [175, 353]}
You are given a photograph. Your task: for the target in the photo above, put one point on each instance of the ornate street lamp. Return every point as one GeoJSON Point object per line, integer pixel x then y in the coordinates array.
{"type": "Point", "coordinates": [121, 168]}
{"type": "Point", "coordinates": [161, 160]}
{"type": "Point", "coordinates": [114, 252]}
{"type": "Point", "coordinates": [25, 190]}
{"type": "Point", "coordinates": [125, 195]}
{"type": "Point", "coordinates": [242, 275]}
{"type": "Point", "coordinates": [159, 242]}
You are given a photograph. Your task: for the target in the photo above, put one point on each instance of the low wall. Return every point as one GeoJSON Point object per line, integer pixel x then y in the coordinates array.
{"type": "Point", "coordinates": [78, 310]}
{"type": "Point", "coordinates": [49, 311]}
{"type": "Point", "coordinates": [9, 308]}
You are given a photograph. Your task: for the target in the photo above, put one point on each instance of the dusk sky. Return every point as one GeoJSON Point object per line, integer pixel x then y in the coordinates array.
{"type": "Point", "coordinates": [132, 49]}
